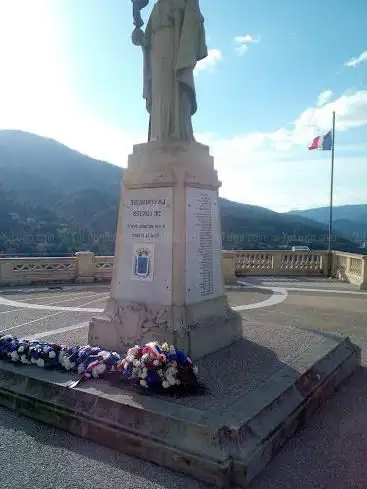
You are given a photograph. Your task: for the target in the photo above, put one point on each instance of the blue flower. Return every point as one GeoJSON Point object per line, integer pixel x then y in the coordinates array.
{"type": "Point", "coordinates": [84, 353]}
{"type": "Point", "coordinates": [127, 372]}
{"type": "Point", "coordinates": [13, 345]}
{"type": "Point", "coordinates": [113, 359]}
{"type": "Point", "coordinates": [181, 358]}
{"type": "Point", "coordinates": [153, 377]}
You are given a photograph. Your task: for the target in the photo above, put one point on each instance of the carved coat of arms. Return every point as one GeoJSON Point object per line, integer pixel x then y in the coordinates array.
{"type": "Point", "coordinates": [143, 263]}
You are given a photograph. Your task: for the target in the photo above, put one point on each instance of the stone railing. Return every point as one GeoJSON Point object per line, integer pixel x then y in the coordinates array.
{"type": "Point", "coordinates": [85, 267]}
{"type": "Point", "coordinates": [348, 267]}
{"type": "Point", "coordinates": [103, 267]}
{"type": "Point", "coordinates": [27, 271]}
{"type": "Point", "coordinates": [281, 262]}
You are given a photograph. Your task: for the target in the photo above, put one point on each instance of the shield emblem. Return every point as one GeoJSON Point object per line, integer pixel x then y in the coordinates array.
{"type": "Point", "coordinates": [142, 265]}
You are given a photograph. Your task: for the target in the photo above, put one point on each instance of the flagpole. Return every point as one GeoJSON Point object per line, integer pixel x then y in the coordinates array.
{"type": "Point", "coordinates": [331, 200]}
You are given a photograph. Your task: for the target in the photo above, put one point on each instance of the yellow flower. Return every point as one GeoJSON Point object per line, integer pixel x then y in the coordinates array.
{"type": "Point", "coordinates": [165, 347]}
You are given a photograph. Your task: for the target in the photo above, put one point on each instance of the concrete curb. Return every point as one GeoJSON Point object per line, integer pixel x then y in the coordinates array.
{"type": "Point", "coordinates": [210, 445]}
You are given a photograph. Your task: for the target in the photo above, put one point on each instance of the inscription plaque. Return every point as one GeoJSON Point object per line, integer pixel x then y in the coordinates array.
{"type": "Point", "coordinates": [203, 245]}
{"type": "Point", "coordinates": [145, 269]}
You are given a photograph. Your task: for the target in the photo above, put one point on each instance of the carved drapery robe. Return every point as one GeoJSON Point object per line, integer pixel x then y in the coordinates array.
{"type": "Point", "coordinates": [174, 43]}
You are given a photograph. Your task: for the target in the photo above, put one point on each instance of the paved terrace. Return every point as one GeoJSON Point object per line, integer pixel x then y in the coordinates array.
{"type": "Point", "coordinates": [329, 452]}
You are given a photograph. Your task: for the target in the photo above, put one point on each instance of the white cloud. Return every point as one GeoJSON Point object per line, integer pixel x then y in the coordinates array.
{"type": "Point", "coordinates": [353, 62]}
{"type": "Point", "coordinates": [242, 43]}
{"type": "Point", "coordinates": [276, 170]}
{"type": "Point", "coordinates": [285, 181]}
{"type": "Point", "coordinates": [324, 97]}
{"type": "Point", "coordinates": [350, 109]}
{"type": "Point", "coordinates": [214, 57]}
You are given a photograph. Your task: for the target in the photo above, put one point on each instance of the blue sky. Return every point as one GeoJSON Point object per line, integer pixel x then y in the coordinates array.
{"type": "Point", "coordinates": [274, 74]}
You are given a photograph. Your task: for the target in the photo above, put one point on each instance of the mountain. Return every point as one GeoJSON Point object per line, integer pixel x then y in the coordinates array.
{"type": "Point", "coordinates": [54, 200]}
{"type": "Point", "coordinates": [344, 212]}
{"type": "Point", "coordinates": [349, 221]}
{"type": "Point", "coordinates": [252, 227]}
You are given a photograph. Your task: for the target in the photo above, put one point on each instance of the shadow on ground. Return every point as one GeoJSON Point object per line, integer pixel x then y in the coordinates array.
{"type": "Point", "coordinates": [232, 372]}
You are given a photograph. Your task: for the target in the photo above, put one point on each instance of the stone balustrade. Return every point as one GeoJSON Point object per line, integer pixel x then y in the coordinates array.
{"type": "Point", "coordinates": [348, 267]}
{"type": "Point", "coordinates": [281, 263]}
{"type": "Point", "coordinates": [351, 268]}
{"type": "Point", "coordinates": [86, 267]}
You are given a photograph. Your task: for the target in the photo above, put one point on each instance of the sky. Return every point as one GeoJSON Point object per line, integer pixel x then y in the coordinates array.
{"type": "Point", "coordinates": [275, 72]}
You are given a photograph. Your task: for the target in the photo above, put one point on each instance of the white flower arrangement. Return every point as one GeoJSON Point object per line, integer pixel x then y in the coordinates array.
{"type": "Point", "coordinates": [154, 366]}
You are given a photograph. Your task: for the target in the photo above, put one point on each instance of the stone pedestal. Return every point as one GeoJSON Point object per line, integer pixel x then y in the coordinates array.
{"type": "Point", "coordinates": [167, 280]}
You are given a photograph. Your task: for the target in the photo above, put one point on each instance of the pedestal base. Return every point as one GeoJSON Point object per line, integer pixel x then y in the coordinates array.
{"type": "Point", "coordinates": [198, 329]}
{"type": "Point", "coordinates": [167, 282]}
{"type": "Point", "coordinates": [261, 391]}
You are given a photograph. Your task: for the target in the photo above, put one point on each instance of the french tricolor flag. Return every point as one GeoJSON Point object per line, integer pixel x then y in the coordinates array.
{"type": "Point", "coordinates": [323, 143]}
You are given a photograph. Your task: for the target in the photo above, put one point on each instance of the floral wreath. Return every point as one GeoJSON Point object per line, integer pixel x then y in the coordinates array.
{"type": "Point", "coordinates": [155, 367]}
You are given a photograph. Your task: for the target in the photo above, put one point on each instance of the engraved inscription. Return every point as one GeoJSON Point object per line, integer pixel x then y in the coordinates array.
{"type": "Point", "coordinates": [205, 248]}
{"type": "Point", "coordinates": [203, 245]}
{"type": "Point", "coordinates": [146, 251]}
{"type": "Point", "coordinates": [146, 219]}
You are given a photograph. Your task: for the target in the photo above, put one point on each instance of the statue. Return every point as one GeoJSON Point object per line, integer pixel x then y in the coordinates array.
{"type": "Point", "coordinates": [172, 44]}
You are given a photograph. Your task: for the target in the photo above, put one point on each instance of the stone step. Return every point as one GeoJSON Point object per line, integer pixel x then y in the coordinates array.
{"type": "Point", "coordinates": [218, 446]}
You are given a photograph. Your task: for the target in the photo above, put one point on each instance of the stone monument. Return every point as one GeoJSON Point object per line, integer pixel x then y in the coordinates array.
{"type": "Point", "coordinates": [167, 280]}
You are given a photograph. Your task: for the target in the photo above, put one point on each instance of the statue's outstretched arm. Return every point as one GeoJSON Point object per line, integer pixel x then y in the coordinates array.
{"type": "Point", "coordinates": [138, 36]}
{"type": "Point", "coordinates": [138, 5]}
